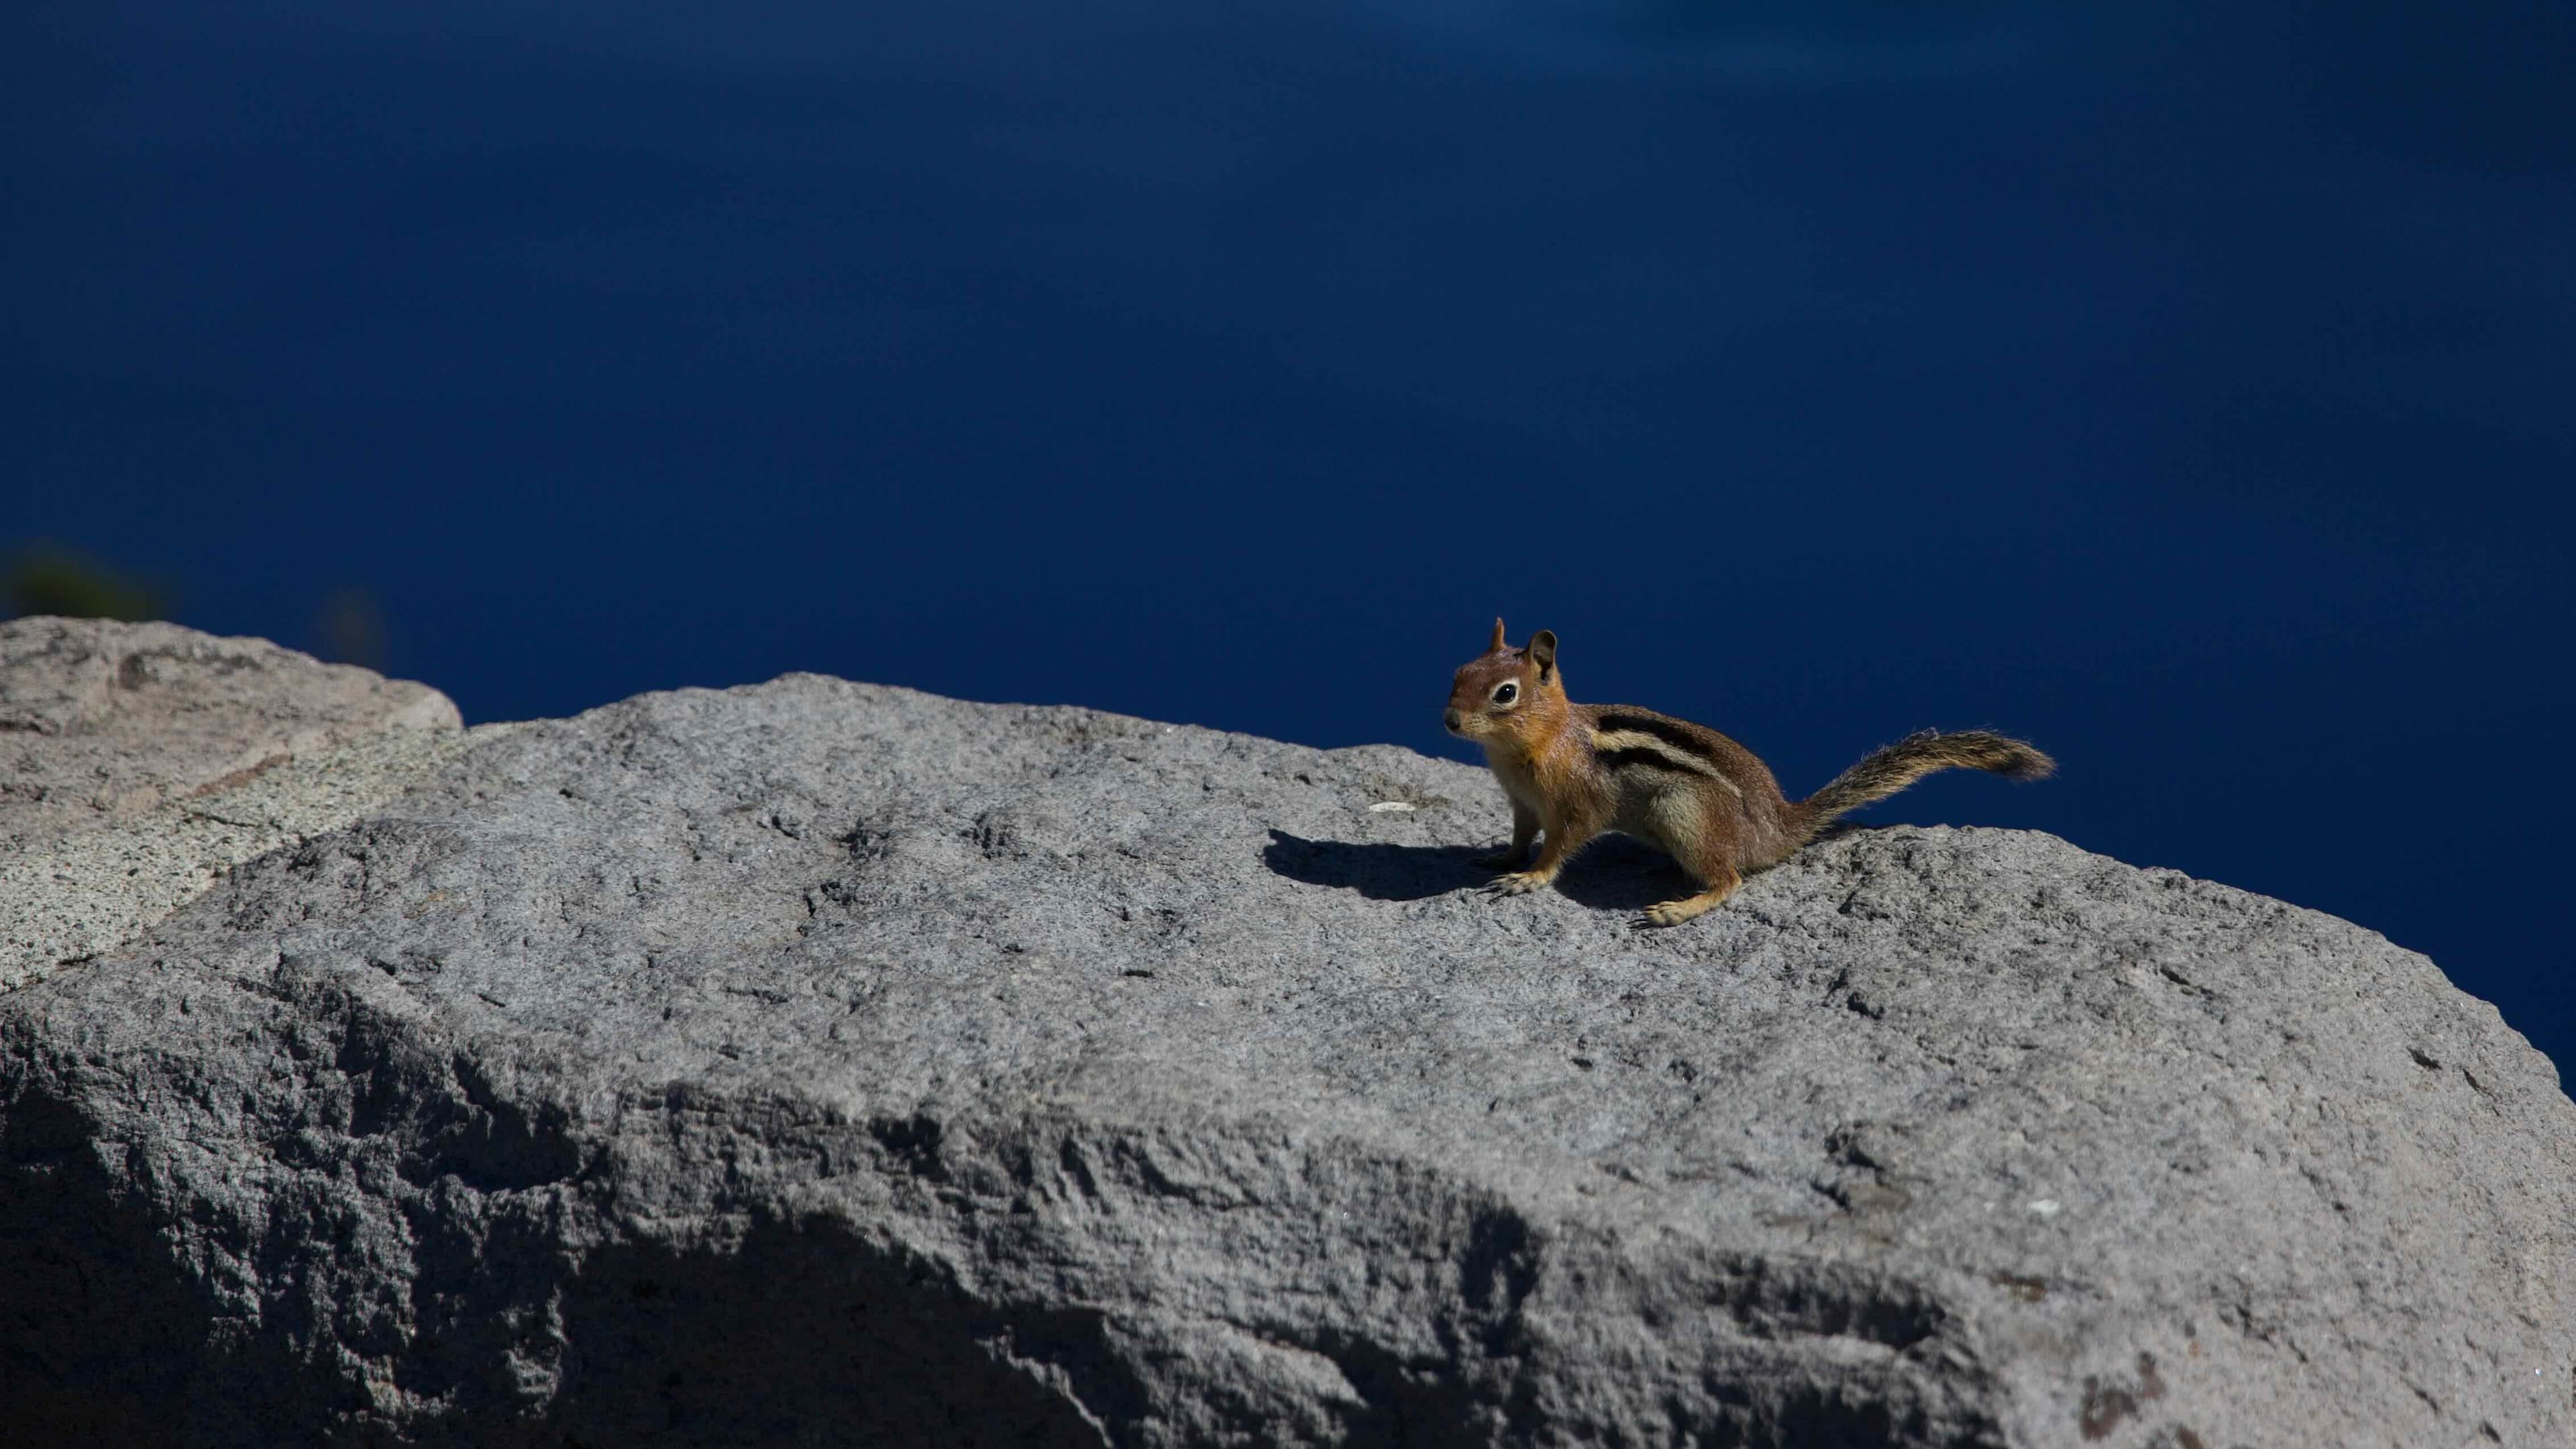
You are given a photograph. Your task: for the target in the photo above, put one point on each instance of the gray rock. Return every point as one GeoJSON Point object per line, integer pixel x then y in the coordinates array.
{"type": "Point", "coordinates": [825, 1064]}
{"type": "Point", "coordinates": [144, 760]}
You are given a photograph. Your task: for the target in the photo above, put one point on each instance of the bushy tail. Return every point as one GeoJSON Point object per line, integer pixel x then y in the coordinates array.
{"type": "Point", "coordinates": [1883, 772]}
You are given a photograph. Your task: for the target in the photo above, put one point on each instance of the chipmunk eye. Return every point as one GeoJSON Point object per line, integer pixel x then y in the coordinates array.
{"type": "Point", "coordinates": [1506, 692]}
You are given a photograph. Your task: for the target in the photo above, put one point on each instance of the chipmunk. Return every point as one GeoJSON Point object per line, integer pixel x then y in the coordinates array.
{"type": "Point", "coordinates": [1575, 770]}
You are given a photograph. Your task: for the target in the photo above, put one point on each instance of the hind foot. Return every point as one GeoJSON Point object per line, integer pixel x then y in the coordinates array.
{"type": "Point", "coordinates": [1673, 913]}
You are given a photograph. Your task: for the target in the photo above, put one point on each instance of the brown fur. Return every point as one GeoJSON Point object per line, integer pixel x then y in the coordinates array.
{"type": "Point", "coordinates": [1883, 772]}
{"type": "Point", "coordinates": [1573, 771]}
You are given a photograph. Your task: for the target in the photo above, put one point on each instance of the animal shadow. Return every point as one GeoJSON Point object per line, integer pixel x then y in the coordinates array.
{"type": "Point", "coordinates": [1377, 870]}
{"type": "Point", "coordinates": [1615, 873]}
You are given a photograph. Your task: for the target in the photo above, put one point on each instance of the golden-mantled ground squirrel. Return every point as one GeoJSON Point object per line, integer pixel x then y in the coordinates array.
{"type": "Point", "coordinates": [1575, 770]}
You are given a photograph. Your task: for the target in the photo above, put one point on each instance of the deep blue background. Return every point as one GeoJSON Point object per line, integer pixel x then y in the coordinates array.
{"type": "Point", "coordinates": [2189, 387]}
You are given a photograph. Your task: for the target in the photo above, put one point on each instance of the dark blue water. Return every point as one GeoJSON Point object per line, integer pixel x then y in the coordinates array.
{"type": "Point", "coordinates": [2192, 392]}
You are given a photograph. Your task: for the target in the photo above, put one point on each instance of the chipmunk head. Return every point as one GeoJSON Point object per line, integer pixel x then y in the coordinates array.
{"type": "Point", "coordinates": [1507, 695]}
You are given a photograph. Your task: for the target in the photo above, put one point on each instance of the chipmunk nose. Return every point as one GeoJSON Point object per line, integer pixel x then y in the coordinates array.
{"type": "Point", "coordinates": [1453, 719]}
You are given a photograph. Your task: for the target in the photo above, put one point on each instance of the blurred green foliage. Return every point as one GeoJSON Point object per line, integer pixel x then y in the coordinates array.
{"type": "Point", "coordinates": [45, 577]}
{"type": "Point", "coordinates": [349, 628]}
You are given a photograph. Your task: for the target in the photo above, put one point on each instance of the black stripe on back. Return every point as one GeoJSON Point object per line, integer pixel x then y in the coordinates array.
{"type": "Point", "coordinates": [1662, 729]}
{"type": "Point", "coordinates": [1652, 759]}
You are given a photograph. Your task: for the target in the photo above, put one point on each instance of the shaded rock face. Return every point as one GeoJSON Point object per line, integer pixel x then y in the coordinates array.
{"type": "Point", "coordinates": [817, 1063]}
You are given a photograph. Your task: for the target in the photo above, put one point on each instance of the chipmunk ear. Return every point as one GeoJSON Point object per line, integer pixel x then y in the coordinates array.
{"type": "Point", "coordinates": [1542, 652]}
{"type": "Point", "coordinates": [1497, 646]}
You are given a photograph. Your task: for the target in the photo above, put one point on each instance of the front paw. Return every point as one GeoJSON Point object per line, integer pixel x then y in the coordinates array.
{"type": "Point", "coordinates": [1518, 883]}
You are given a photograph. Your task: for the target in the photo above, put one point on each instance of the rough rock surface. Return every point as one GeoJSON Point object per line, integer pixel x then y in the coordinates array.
{"type": "Point", "coordinates": [818, 1063]}
{"type": "Point", "coordinates": [144, 760]}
